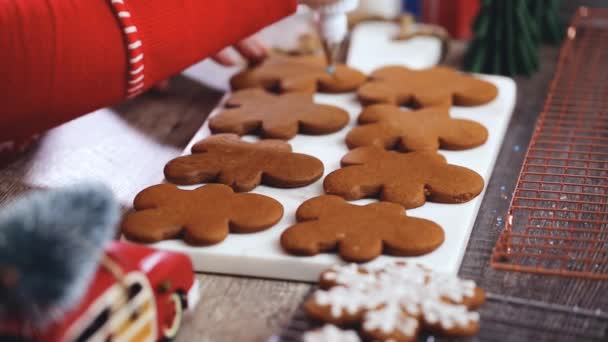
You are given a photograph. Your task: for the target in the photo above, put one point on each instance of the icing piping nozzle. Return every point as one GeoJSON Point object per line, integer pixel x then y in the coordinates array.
{"type": "Point", "coordinates": [332, 24]}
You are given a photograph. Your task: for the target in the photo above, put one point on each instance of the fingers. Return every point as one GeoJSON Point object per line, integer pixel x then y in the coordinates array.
{"type": "Point", "coordinates": [225, 58]}
{"type": "Point", "coordinates": [251, 49]}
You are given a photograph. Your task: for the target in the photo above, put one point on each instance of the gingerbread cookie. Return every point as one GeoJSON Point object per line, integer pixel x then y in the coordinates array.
{"type": "Point", "coordinates": [390, 127]}
{"type": "Point", "coordinates": [277, 116]}
{"type": "Point", "coordinates": [360, 233]}
{"type": "Point", "coordinates": [203, 216]}
{"type": "Point", "coordinates": [298, 73]}
{"type": "Point", "coordinates": [408, 179]}
{"type": "Point", "coordinates": [226, 159]}
{"type": "Point", "coordinates": [425, 88]}
{"type": "Point", "coordinates": [397, 301]}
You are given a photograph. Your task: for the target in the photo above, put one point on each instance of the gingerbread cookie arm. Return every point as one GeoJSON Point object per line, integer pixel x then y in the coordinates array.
{"type": "Point", "coordinates": [408, 194]}
{"type": "Point", "coordinates": [377, 92]}
{"type": "Point", "coordinates": [210, 232]}
{"type": "Point", "coordinates": [280, 129]}
{"type": "Point", "coordinates": [387, 208]}
{"type": "Point", "coordinates": [431, 98]}
{"type": "Point", "coordinates": [275, 144]}
{"type": "Point", "coordinates": [234, 121]}
{"type": "Point", "coordinates": [294, 170]}
{"type": "Point", "coordinates": [241, 97]}
{"type": "Point", "coordinates": [230, 142]}
{"type": "Point", "coordinates": [251, 213]}
{"type": "Point", "coordinates": [376, 113]}
{"type": "Point", "coordinates": [245, 79]}
{"type": "Point", "coordinates": [323, 119]}
{"type": "Point", "coordinates": [352, 183]}
{"type": "Point", "coordinates": [316, 207]}
{"type": "Point", "coordinates": [360, 156]}
{"type": "Point", "coordinates": [192, 169]}
{"type": "Point", "coordinates": [453, 184]}
{"type": "Point", "coordinates": [344, 79]}
{"type": "Point", "coordinates": [155, 196]}
{"type": "Point", "coordinates": [376, 134]}
{"type": "Point", "coordinates": [412, 236]}
{"type": "Point", "coordinates": [308, 238]}
{"type": "Point", "coordinates": [240, 178]}
{"type": "Point", "coordinates": [474, 92]}
{"type": "Point", "coordinates": [417, 141]}
{"type": "Point", "coordinates": [151, 225]}
{"type": "Point", "coordinates": [360, 248]}
{"type": "Point", "coordinates": [462, 134]}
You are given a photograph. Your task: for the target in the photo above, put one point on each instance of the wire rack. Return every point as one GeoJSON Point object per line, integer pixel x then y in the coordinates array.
{"type": "Point", "coordinates": [558, 219]}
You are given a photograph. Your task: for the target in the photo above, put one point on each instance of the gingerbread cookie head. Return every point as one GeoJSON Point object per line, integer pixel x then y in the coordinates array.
{"type": "Point", "coordinates": [390, 127]}
{"type": "Point", "coordinates": [226, 159]}
{"type": "Point", "coordinates": [203, 216]}
{"type": "Point", "coordinates": [397, 301]}
{"type": "Point", "coordinates": [298, 73]}
{"type": "Point", "coordinates": [409, 179]}
{"type": "Point", "coordinates": [401, 86]}
{"type": "Point", "coordinates": [360, 233]}
{"type": "Point", "coordinates": [277, 116]}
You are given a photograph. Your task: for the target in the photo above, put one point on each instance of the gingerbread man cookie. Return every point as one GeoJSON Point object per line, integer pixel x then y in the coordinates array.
{"type": "Point", "coordinates": [203, 216]}
{"type": "Point", "coordinates": [425, 88]}
{"type": "Point", "coordinates": [409, 179]}
{"type": "Point", "coordinates": [277, 116]}
{"type": "Point", "coordinates": [360, 233]}
{"type": "Point", "coordinates": [391, 127]}
{"type": "Point", "coordinates": [397, 301]}
{"type": "Point", "coordinates": [298, 73]}
{"type": "Point", "coordinates": [226, 159]}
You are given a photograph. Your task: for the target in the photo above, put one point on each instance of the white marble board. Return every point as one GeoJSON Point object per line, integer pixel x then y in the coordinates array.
{"type": "Point", "coordinates": [260, 254]}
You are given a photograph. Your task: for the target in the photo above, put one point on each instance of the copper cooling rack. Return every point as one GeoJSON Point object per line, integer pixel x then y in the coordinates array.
{"type": "Point", "coordinates": [558, 218]}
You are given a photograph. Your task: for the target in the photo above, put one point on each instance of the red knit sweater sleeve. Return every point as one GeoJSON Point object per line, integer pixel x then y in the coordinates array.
{"type": "Point", "coordinates": [62, 58]}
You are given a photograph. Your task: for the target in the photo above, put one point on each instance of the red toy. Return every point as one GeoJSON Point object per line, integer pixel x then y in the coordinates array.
{"type": "Point", "coordinates": [456, 16]}
{"type": "Point", "coordinates": [137, 294]}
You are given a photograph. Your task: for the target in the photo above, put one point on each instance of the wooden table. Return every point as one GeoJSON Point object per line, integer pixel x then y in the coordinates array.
{"type": "Point", "coordinates": [520, 306]}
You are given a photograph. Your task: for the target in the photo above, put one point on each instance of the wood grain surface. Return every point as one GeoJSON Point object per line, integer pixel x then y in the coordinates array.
{"type": "Point", "coordinates": [521, 307]}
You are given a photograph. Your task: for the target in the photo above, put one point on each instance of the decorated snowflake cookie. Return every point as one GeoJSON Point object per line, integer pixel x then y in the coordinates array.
{"type": "Point", "coordinates": [397, 301]}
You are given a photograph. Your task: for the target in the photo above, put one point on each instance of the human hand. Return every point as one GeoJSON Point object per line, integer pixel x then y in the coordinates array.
{"type": "Point", "coordinates": [251, 49]}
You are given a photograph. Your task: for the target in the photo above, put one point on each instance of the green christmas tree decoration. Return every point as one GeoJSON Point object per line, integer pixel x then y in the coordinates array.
{"type": "Point", "coordinates": [505, 39]}
{"type": "Point", "coordinates": [551, 28]}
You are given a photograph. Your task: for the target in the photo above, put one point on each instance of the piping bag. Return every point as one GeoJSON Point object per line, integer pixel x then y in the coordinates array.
{"type": "Point", "coordinates": [332, 24]}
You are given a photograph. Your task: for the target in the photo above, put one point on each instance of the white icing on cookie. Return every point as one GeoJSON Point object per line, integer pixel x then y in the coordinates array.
{"type": "Point", "coordinates": [342, 300]}
{"type": "Point", "coordinates": [448, 315]}
{"type": "Point", "coordinates": [349, 274]}
{"type": "Point", "coordinates": [396, 290]}
{"type": "Point", "coordinates": [452, 288]}
{"type": "Point", "coordinates": [331, 333]}
{"type": "Point", "coordinates": [389, 319]}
